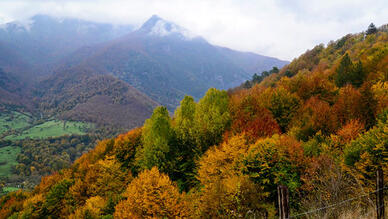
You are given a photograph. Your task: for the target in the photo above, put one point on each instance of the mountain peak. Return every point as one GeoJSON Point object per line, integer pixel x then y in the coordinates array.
{"type": "Point", "coordinates": [157, 26]}
{"type": "Point", "coordinates": [151, 22]}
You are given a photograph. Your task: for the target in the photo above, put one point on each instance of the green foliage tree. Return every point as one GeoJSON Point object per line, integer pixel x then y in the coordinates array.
{"type": "Point", "coordinates": [369, 152]}
{"type": "Point", "coordinates": [374, 143]}
{"type": "Point", "coordinates": [358, 74]}
{"type": "Point", "coordinates": [256, 78]}
{"type": "Point", "coordinates": [53, 204]}
{"type": "Point", "coordinates": [273, 161]}
{"type": "Point", "coordinates": [186, 151]}
{"type": "Point", "coordinates": [347, 72]}
{"type": "Point", "coordinates": [283, 106]}
{"type": "Point", "coordinates": [156, 136]}
{"type": "Point", "coordinates": [212, 117]}
{"type": "Point", "coordinates": [344, 69]}
{"type": "Point", "coordinates": [274, 70]}
{"type": "Point", "coordinates": [184, 121]}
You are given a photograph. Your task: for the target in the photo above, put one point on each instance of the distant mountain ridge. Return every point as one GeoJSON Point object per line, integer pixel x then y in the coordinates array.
{"type": "Point", "coordinates": [166, 62]}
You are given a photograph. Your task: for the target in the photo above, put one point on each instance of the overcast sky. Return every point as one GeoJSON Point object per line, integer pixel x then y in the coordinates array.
{"type": "Point", "coordinates": [279, 28]}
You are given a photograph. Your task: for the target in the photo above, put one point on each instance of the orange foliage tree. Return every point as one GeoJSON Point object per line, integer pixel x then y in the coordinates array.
{"type": "Point", "coordinates": [348, 105]}
{"type": "Point", "coordinates": [316, 115]}
{"type": "Point", "coordinates": [250, 117]}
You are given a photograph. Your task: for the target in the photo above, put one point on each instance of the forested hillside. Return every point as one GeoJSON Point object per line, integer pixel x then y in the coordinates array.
{"type": "Point", "coordinates": [83, 95]}
{"type": "Point", "coordinates": [318, 126]}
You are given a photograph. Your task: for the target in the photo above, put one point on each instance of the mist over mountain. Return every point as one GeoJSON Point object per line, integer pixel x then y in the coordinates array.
{"type": "Point", "coordinates": [166, 62]}
{"type": "Point", "coordinates": [45, 40]}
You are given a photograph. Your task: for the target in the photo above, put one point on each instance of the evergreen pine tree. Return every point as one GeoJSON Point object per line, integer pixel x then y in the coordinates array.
{"type": "Point", "coordinates": [371, 29]}
{"type": "Point", "coordinates": [344, 69]}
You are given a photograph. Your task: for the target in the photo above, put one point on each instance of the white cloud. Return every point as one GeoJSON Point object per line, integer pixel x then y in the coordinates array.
{"type": "Point", "coordinates": [280, 28]}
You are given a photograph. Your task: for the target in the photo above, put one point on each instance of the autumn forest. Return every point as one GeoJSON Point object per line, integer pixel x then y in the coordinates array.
{"type": "Point", "coordinates": [319, 126]}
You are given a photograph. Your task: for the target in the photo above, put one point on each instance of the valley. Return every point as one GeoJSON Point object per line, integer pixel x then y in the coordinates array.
{"type": "Point", "coordinates": [18, 128]}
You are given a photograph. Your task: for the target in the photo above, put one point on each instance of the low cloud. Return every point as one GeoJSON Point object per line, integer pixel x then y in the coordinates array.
{"type": "Point", "coordinates": [278, 28]}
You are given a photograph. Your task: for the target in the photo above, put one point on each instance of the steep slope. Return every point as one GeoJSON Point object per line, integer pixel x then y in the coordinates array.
{"type": "Point", "coordinates": [15, 77]}
{"type": "Point", "coordinates": [82, 95]}
{"type": "Point", "coordinates": [166, 62]}
{"type": "Point", "coordinates": [11, 92]}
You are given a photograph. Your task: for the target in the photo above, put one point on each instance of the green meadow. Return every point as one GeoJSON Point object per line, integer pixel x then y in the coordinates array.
{"type": "Point", "coordinates": [8, 159]}
{"type": "Point", "coordinates": [53, 128]}
{"type": "Point", "coordinates": [13, 120]}
{"type": "Point", "coordinates": [10, 189]}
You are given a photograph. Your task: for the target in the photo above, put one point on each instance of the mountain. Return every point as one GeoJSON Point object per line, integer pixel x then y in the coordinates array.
{"type": "Point", "coordinates": [44, 40]}
{"type": "Point", "coordinates": [166, 62]}
{"type": "Point", "coordinates": [251, 62]}
{"type": "Point", "coordinates": [225, 156]}
{"type": "Point", "coordinates": [30, 50]}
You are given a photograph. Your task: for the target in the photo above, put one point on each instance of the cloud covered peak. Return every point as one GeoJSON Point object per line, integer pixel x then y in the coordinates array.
{"type": "Point", "coordinates": [157, 26]}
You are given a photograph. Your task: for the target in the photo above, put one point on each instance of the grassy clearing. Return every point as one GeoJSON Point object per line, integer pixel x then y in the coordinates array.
{"type": "Point", "coordinates": [53, 128]}
{"type": "Point", "coordinates": [13, 120]}
{"type": "Point", "coordinates": [8, 159]}
{"type": "Point", "coordinates": [10, 189]}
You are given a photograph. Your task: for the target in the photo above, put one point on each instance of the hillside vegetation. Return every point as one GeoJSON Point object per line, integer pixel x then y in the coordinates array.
{"type": "Point", "coordinates": [318, 126]}
{"type": "Point", "coordinates": [81, 95]}
{"type": "Point", "coordinates": [28, 144]}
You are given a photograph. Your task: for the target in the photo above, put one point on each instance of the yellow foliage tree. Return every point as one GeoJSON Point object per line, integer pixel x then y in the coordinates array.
{"type": "Point", "coordinates": [102, 179]}
{"type": "Point", "coordinates": [32, 206]}
{"type": "Point", "coordinates": [226, 191]}
{"type": "Point", "coordinates": [92, 209]}
{"type": "Point", "coordinates": [380, 91]}
{"type": "Point", "coordinates": [152, 195]}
